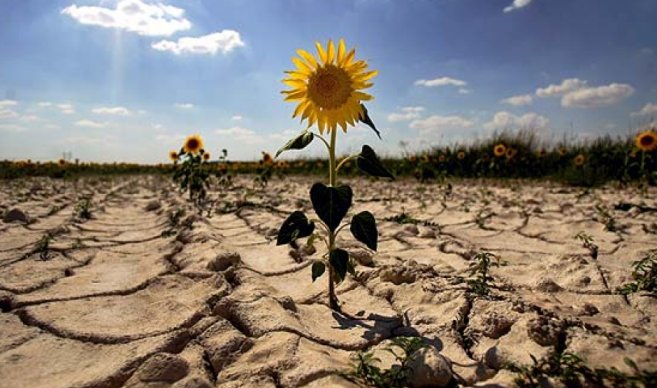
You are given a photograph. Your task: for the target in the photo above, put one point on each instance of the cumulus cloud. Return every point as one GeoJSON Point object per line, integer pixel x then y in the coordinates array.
{"type": "Point", "coordinates": [517, 4]}
{"type": "Point", "coordinates": [11, 128]}
{"type": "Point", "coordinates": [224, 41]}
{"type": "Point", "coordinates": [89, 124]}
{"type": "Point", "coordinates": [594, 97]}
{"type": "Point", "coordinates": [284, 136]}
{"type": "Point", "coordinates": [30, 118]}
{"type": "Point", "coordinates": [442, 81]}
{"type": "Point", "coordinates": [566, 86]}
{"type": "Point", "coordinates": [155, 19]}
{"type": "Point", "coordinates": [506, 120]}
{"type": "Point", "coordinates": [184, 105]}
{"type": "Point", "coordinates": [113, 110]}
{"type": "Point", "coordinates": [67, 109]}
{"type": "Point", "coordinates": [407, 113]}
{"type": "Point", "coordinates": [6, 103]}
{"type": "Point", "coordinates": [464, 91]}
{"type": "Point", "coordinates": [523, 100]}
{"type": "Point", "coordinates": [437, 124]}
{"type": "Point", "coordinates": [241, 134]}
{"type": "Point", "coordinates": [648, 109]}
{"type": "Point", "coordinates": [236, 118]}
{"type": "Point", "coordinates": [7, 113]}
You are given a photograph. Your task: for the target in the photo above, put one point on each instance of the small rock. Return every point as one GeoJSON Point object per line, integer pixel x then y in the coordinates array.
{"type": "Point", "coordinates": [362, 256]}
{"type": "Point", "coordinates": [496, 325]}
{"type": "Point", "coordinates": [548, 285]}
{"type": "Point", "coordinates": [425, 232]}
{"type": "Point", "coordinates": [397, 276]}
{"type": "Point", "coordinates": [16, 215]}
{"type": "Point", "coordinates": [163, 367]}
{"type": "Point", "coordinates": [493, 358]}
{"type": "Point", "coordinates": [411, 229]}
{"type": "Point", "coordinates": [614, 320]}
{"type": "Point", "coordinates": [544, 331]}
{"type": "Point", "coordinates": [223, 261]}
{"type": "Point", "coordinates": [153, 205]}
{"type": "Point", "coordinates": [588, 309]}
{"type": "Point", "coordinates": [430, 369]}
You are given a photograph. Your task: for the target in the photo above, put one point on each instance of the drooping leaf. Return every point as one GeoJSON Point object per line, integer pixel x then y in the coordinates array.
{"type": "Point", "coordinates": [369, 163]}
{"type": "Point", "coordinates": [363, 227]}
{"type": "Point", "coordinates": [331, 203]}
{"type": "Point", "coordinates": [339, 260]}
{"type": "Point", "coordinates": [298, 143]}
{"type": "Point", "coordinates": [365, 119]}
{"type": "Point", "coordinates": [295, 226]}
{"type": "Point", "coordinates": [318, 269]}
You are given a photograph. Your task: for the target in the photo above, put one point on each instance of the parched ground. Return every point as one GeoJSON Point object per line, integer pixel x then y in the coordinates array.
{"type": "Point", "coordinates": [216, 303]}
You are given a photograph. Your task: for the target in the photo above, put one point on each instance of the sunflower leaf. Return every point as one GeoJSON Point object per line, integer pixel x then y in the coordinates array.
{"type": "Point", "coordinates": [370, 164]}
{"type": "Point", "coordinates": [339, 260]}
{"type": "Point", "coordinates": [298, 143]}
{"type": "Point", "coordinates": [365, 119]}
{"type": "Point", "coordinates": [295, 226]}
{"type": "Point", "coordinates": [318, 269]}
{"type": "Point", "coordinates": [331, 203]}
{"type": "Point", "coordinates": [363, 227]}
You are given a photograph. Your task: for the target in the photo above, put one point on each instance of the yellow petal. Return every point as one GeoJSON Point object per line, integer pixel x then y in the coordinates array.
{"type": "Point", "coordinates": [300, 108]}
{"type": "Point", "coordinates": [362, 96]}
{"type": "Point", "coordinates": [348, 58]}
{"type": "Point", "coordinates": [296, 95]}
{"type": "Point", "coordinates": [331, 52]}
{"type": "Point", "coordinates": [295, 82]}
{"type": "Point", "coordinates": [321, 52]}
{"type": "Point", "coordinates": [308, 57]}
{"type": "Point", "coordinates": [341, 51]}
{"type": "Point", "coordinates": [366, 76]}
{"type": "Point", "coordinates": [302, 66]}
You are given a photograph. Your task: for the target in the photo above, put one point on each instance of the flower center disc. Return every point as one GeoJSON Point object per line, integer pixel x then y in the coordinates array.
{"type": "Point", "coordinates": [647, 140]}
{"type": "Point", "coordinates": [329, 87]}
{"type": "Point", "coordinates": [192, 144]}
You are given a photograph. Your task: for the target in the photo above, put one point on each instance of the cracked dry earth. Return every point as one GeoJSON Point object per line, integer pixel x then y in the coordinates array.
{"type": "Point", "coordinates": [217, 303]}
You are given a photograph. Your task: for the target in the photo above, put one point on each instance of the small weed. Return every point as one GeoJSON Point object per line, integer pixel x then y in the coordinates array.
{"type": "Point", "coordinates": [644, 275]}
{"type": "Point", "coordinates": [173, 220]}
{"type": "Point", "coordinates": [83, 209]}
{"type": "Point", "coordinates": [42, 247]}
{"type": "Point", "coordinates": [483, 261]}
{"type": "Point", "coordinates": [607, 218]}
{"type": "Point", "coordinates": [364, 370]}
{"type": "Point", "coordinates": [587, 242]}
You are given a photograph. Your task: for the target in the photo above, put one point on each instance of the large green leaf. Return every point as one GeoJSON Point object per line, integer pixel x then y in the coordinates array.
{"type": "Point", "coordinates": [294, 227]}
{"type": "Point", "coordinates": [339, 260]}
{"type": "Point", "coordinates": [363, 227]}
{"type": "Point", "coordinates": [298, 143]}
{"type": "Point", "coordinates": [365, 119]}
{"type": "Point", "coordinates": [331, 203]}
{"type": "Point", "coordinates": [318, 269]}
{"type": "Point", "coordinates": [369, 163]}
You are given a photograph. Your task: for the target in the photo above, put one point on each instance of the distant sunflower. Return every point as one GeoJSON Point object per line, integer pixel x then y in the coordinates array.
{"type": "Point", "coordinates": [266, 158]}
{"type": "Point", "coordinates": [510, 153]}
{"type": "Point", "coordinates": [61, 162]}
{"type": "Point", "coordinates": [173, 156]}
{"type": "Point", "coordinates": [579, 160]}
{"type": "Point", "coordinates": [499, 150]}
{"type": "Point", "coordinates": [646, 141]}
{"type": "Point", "coordinates": [193, 144]}
{"type": "Point", "coordinates": [562, 151]}
{"type": "Point", "coordinates": [327, 88]}
{"type": "Point", "coordinates": [460, 155]}
{"type": "Point", "coordinates": [206, 156]}
{"type": "Point", "coordinates": [441, 158]}
{"type": "Point", "coordinates": [542, 153]}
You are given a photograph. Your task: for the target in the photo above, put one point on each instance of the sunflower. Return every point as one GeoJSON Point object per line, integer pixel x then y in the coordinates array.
{"type": "Point", "coordinates": [499, 150]}
{"type": "Point", "coordinates": [328, 88]}
{"type": "Point", "coordinates": [61, 162]}
{"type": "Point", "coordinates": [646, 141]}
{"type": "Point", "coordinates": [266, 158]}
{"type": "Point", "coordinates": [511, 152]}
{"type": "Point", "coordinates": [460, 155]}
{"type": "Point", "coordinates": [441, 158]}
{"type": "Point", "coordinates": [193, 144]}
{"type": "Point", "coordinates": [562, 151]}
{"type": "Point", "coordinates": [173, 155]}
{"type": "Point", "coordinates": [206, 156]}
{"type": "Point", "coordinates": [579, 160]}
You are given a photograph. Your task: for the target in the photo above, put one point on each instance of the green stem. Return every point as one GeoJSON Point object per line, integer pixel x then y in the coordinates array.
{"type": "Point", "coordinates": [345, 160]}
{"type": "Point", "coordinates": [333, 300]}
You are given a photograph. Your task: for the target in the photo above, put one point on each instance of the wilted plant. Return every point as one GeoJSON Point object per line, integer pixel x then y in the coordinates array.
{"type": "Point", "coordinates": [644, 275]}
{"type": "Point", "coordinates": [365, 370]}
{"type": "Point", "coordinates": [483, 261]}
{"type": "Point", "coordinates": [191, 174]}
{"type": "Point", "coordinates": [587, 242]}
{"type": "Point", "coordinates": [42, 247]}
{"type": "Point", "coordinates": [83, 209]}
{"type": "Point", "coordinates": [607, 218]}
{"type": "Point", "coordinates": [223, 172]}
{"type": "Point", "coordinates": [173, 220]}
{"type": "Point", "coordinates": [328, 94]}
{"type": "Point", "coordinates": [265, 170]}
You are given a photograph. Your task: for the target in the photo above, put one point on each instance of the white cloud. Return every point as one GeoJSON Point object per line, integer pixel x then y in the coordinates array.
{"type": "Point", "coordinates": [407, 113]}
{"type": "Point", "coordinates": [6, 103]}
{"type": "Point", "coordinates": [648, 109]}
{"type": "Point", "coordinates": [464, 91]}
{"type": "Point", "coordinates": [45, 104]}
{"type": "Point", "coordinates": [566, 86]}
{"type": "Point", "coordinates": [67, 109]}
{"type": "Point", "coordinates": [224, 42]}
{"type": "Point", "coordinates": [517, 4]}
{"type": "Point", "coordinates": [242, 134]}
{"type": "Point", "coordinates": [11, 128]}
{"type": "Point", "coordinates": [594, 97]}
{"type": "Point", "coordinates": [236, 118]}
{"type": "Point", "coordinates": [434, 124]}
{"type": "Point", "coordinates": [284, 136]}
{"type": "Point", "coordinates": [89, 124]}
{"type": "Point", "coordinates": [442, 81]}
{"type": "Point", "coordinates": [523, 100]}
{"type": "Point", "coordinates": [184, 105]}
{"type": "Point", "coordinates": [114, 110]}
{"type": "Point", "coordinates": [86, 139]}
{"type": "Point", "coordinates": [170, 139]}
{"type": "Point", "coordinates": [506, 120]}
{"type": "Point", "coordinates": [133, 15]}
{"type": "Point", "coordinates": [7, 113]}
{"type": "Point", "coordinates": [30, 118]}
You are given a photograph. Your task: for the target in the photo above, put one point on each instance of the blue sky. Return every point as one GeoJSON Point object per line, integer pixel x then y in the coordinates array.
{"type": "Point", "coordinates": [127, 80]}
